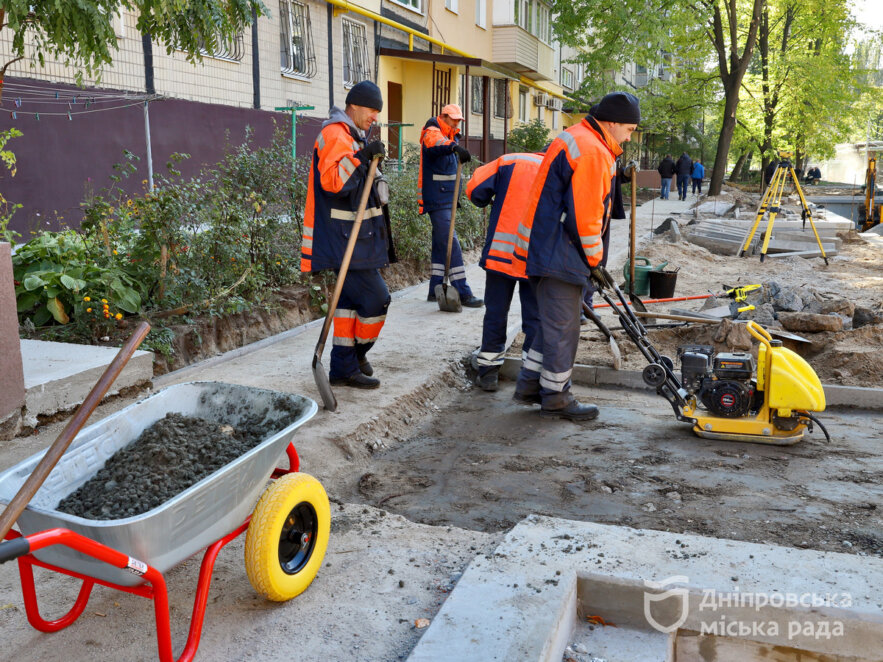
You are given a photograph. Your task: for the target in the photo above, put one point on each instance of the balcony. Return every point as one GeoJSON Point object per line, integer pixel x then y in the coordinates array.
{"type": "Point", "coordinates": [517, 49]}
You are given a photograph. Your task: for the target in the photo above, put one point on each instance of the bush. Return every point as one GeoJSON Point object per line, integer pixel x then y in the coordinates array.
{"type": "Point", "coordinates": [529, 137]}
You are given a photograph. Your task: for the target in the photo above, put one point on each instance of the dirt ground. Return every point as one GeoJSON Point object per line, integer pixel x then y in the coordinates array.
{"type": "Point", "coordinates": [635, 466]}
{"type": "Point", "coordinates": [850, 357]}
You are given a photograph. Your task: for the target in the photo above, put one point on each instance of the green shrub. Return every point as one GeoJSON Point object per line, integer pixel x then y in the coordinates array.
{"type": "Point", "coordinates": [529, 137]}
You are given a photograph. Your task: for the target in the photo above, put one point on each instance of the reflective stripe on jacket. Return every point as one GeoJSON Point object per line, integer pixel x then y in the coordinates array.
{"type": "Point", "coordinates": [438, 166]}
{"type": "Point", "coordinates": [507, 181]}
{"type": "Point", "coordinates": [333, 192]}
{"type": "Point", "coordinates": [570, 203]}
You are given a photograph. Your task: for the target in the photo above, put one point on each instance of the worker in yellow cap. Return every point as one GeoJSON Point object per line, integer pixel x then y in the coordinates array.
{"type": "Point", "coordinates": [439, 152]}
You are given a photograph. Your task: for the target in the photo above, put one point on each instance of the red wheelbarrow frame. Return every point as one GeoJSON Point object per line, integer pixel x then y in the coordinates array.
{"type": "Point", "coordinates": [153, 589]}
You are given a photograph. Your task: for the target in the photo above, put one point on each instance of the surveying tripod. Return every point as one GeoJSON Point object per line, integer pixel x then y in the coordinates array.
{"type": "Point", "coordinates": [772, 202]}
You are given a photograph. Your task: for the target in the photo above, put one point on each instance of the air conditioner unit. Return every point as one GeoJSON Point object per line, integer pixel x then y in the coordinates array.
{"type": "Point", "coordinates": [541, 99]}
{"type": "Point", "coordinates": [554, 103]}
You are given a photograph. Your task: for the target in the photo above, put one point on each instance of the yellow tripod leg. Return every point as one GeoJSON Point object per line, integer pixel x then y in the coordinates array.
{"type": "Point", "coordinates": [775, 206]}
{"type": "Point", "coordinates": [760, 214]}
{"type": "Point", "coordinates": [808, 215]}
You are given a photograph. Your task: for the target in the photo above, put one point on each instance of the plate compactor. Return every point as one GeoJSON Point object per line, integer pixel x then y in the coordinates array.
{"type": "Point", "coordinates": [720, 394]}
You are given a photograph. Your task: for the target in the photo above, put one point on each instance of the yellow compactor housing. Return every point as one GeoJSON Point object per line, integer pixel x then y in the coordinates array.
{"type": "Point", "coordinates": [789, 385]}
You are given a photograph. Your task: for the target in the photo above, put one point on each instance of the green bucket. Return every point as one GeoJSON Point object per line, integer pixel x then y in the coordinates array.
{"type": "Point", "coordinates": [642, 275]}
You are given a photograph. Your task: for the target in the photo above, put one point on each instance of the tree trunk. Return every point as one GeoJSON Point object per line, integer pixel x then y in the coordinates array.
{"type": "Point", "coordinates": [731, 93]}
{"type": "Point", "coordinates": [736, 174]}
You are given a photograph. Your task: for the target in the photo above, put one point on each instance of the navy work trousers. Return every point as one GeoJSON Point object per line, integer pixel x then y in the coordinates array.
{"type": "Point", "coordinates": [441, 225]}
{"type": "Point", "coordinates": [360, 315]}
{"type": "Point", "coordinates": [498, 291]}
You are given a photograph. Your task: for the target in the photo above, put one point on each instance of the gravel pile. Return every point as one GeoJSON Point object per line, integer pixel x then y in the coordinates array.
{"type": "Point", "coordinates": [171, 455]}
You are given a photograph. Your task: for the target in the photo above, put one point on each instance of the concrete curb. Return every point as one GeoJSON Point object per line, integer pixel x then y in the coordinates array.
{"type": "Point", "coordinates": [525, 601]}
{"type": "Point", "coordinates": [835, 395]}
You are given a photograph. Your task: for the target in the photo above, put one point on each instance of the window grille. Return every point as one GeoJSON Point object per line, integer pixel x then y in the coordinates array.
{"type": "Point", "coordinates": [477, 94]}
{"type": "Point", "coordinates": [356, 63]}
{"type": "Point", "coordinates": [296, 39]}
{"type": "Point", "coordinates": [231, 48]}
{"type": "Point", "coordinates": [500, 109]}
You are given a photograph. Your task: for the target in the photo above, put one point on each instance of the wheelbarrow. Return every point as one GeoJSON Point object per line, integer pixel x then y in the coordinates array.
{"type": "Point", "coordinates": [287, 523]}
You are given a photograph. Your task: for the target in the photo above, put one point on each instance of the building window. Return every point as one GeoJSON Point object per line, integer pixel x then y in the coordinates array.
{"type": "Point", "coordinates": [410, 4]}
{"type": "Point", "coordinates": [481, 13]}
{"type": "Point", "coordinates": [230, 48]}
{"type": "Point", "coordinates": [566, 78]}
{"type": "Point", "coordinates": [477, 94]}
{"type": "Point", "coordinates": [452, 5]}
{"type": "Point", "coordinates": [543, 23]}
{"type": "Point", "coordinates": [296, 39]}
{"type": "Point", "coordinates": [523, 98]}
{"type": "Point", "coordinates": [356, 64]}
{"type": "Point", "coordinates": [524, 14]}
{"type": "Point", "coordinates": [500, 109]}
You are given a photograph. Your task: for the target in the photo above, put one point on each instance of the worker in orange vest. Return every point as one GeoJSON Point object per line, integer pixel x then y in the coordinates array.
{"type": "Point", "coordinates": [569, 205]}
{"type": "Point", "coordinates": [341, 155]}
{"type": "Point", "coordinates": [440, 150]}
{"type": "Point", "coordinates": [507, 182]}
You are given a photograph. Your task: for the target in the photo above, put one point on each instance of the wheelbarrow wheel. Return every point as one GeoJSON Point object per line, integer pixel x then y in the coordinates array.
{"type": "Point", "coordinates": [287, 537]}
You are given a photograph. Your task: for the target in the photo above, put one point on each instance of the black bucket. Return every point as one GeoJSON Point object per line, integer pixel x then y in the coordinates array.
{"type": "Point", "coordinates": [662, 284]}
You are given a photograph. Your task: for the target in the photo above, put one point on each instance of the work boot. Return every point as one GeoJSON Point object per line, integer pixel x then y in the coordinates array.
{"type": "Point", "coordinates": [431, 297]}
{"type": "Point", "coordinates": [572, 411]}
{"type": "Point", "coordinates": [489, 381]}
{"type": "Point", "coordinates": [365, 367]}
{"type": "Point", "coordinates": [472, 301]}
{"type": "Point", "coordinates": [357, 380]}
{"type": "Point", "coordinates": [527, 398]}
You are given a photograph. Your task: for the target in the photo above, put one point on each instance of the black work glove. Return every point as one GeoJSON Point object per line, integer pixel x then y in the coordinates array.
{"type": "Point", "coordinates": [368, 151]}
{"type": "Point", "coordinates": [462, 154]}
{"type": "Point", "coordinates": [601, 277]}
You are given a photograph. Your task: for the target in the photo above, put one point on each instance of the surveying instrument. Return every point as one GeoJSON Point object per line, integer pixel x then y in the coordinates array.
{"type": "Point", "coordinates": [772, 202]}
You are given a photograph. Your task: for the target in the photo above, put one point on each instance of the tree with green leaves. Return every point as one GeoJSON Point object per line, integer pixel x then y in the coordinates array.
{"type": "Point", "coordinates": [80, 33]}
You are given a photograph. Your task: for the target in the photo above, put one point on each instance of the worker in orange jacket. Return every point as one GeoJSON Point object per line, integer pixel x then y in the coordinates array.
{"type": "Point", "coordinates": [440, 150]}
{"type": "Point", "coordinates": [569, 205]}
{"type": "Point", "coordinates": [341, 155]}
{"type": "Point", "coordinates": [507, 182]}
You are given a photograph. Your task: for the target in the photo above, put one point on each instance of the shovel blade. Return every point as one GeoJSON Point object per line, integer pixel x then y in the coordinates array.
{"type": "Point", "coordinates": [617, 356]}
{"type": "Point", "coordinates": [323, 384]}
{"type": "Point", "coordinates": [448, 298]}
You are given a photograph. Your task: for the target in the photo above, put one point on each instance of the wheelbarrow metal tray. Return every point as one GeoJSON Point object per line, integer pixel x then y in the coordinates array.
{"type": "Point", "coordinates": [190, 521]}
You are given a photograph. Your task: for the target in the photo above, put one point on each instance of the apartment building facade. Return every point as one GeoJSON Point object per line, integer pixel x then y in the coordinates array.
{"type": "Point", "coordinates": [496, 58]}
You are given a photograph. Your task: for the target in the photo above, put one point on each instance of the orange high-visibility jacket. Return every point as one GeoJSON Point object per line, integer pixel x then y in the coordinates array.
{"type": "Point", "coordinates": [438, 166]}
{"type": "Point", "coordinates": [570, 203]}
{"type": "Point", "coordinates": [333, 191]}
{"type": "Point", "coordinates": [507, 181]}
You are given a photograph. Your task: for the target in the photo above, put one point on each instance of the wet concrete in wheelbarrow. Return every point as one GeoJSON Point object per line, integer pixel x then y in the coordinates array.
{"type": "Point", "coordinates": [168, 457]}
{"type": "Point", "coordinates": [484, 463]}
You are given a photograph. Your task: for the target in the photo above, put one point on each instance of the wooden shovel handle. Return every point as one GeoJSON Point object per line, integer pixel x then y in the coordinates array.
{"type": "Point", "coordinates": [453, 218]}
{"type": "Point", "coordinates": [59, 446]}
{"type": "Point", "coordinates": [632, 232]}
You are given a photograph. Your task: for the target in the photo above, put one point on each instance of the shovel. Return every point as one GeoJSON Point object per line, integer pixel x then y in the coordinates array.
{"type": "Point", "coordinates": [614, 348]}
{"type": "Point", "coordinates": [27, 491]}
{"type": "Point", "coordinates": [319, 373]}
{"type": "Point", "coordinates": [448, 297]}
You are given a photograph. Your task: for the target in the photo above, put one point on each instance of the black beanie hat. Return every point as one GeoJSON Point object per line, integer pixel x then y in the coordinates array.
{"type": "Point", "coordinates": [365, 94]}
{"type": "Point", "coordinates": [619, 107]}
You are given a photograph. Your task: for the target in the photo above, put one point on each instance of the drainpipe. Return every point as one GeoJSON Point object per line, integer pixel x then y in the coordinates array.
{"type": "Point", "coordinates": [147, 47]}
{"type": "Point", "coordinates": [255, 58]}
{"type": "Point", "coordinates": [330, 57]}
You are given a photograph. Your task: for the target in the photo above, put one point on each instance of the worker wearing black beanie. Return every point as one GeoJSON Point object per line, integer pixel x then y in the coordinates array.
{"type": "Point", "coordinates": [365, 94]}
{"type": "Point", "coordinates": [619, 107]}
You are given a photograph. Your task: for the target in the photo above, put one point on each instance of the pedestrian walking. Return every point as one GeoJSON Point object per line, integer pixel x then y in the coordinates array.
{"type": "Point", "coordinates": [569, 205]}
{"type": "Point", "coordinates": [683, 167]}
{"type": "Point", "coordinates": [506, 182]}
{"type": "Point", "coordinates": [697, 174]}
{"type": "Point", "coordinates": [339, 169]}
{"type": "Point", "coordinates": [666, 170]}
{"type": "Point", "coordinates": [439, 152]}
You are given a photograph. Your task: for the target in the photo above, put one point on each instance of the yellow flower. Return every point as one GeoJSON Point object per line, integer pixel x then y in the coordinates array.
{"type": "Point", "coordinates": [115, 253]}
{"type": "Point", "coordinates": [129, 203]}
{"type": "Point", "coordinates": [87, 298]}
{"type": "Point", "coordinates": [278, 263]}
{"type": "Point", "coordinates": [119, 316]}
{"type": "Point", "coordinates": [88, 310]}
{"type": "Point", "coordinates": [104, 301]}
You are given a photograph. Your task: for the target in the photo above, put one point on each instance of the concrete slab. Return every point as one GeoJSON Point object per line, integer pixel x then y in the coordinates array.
{"type": "Point", "coordinates": [58, 376]}
{"type": "Point", "coordinates": [523, 601]}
